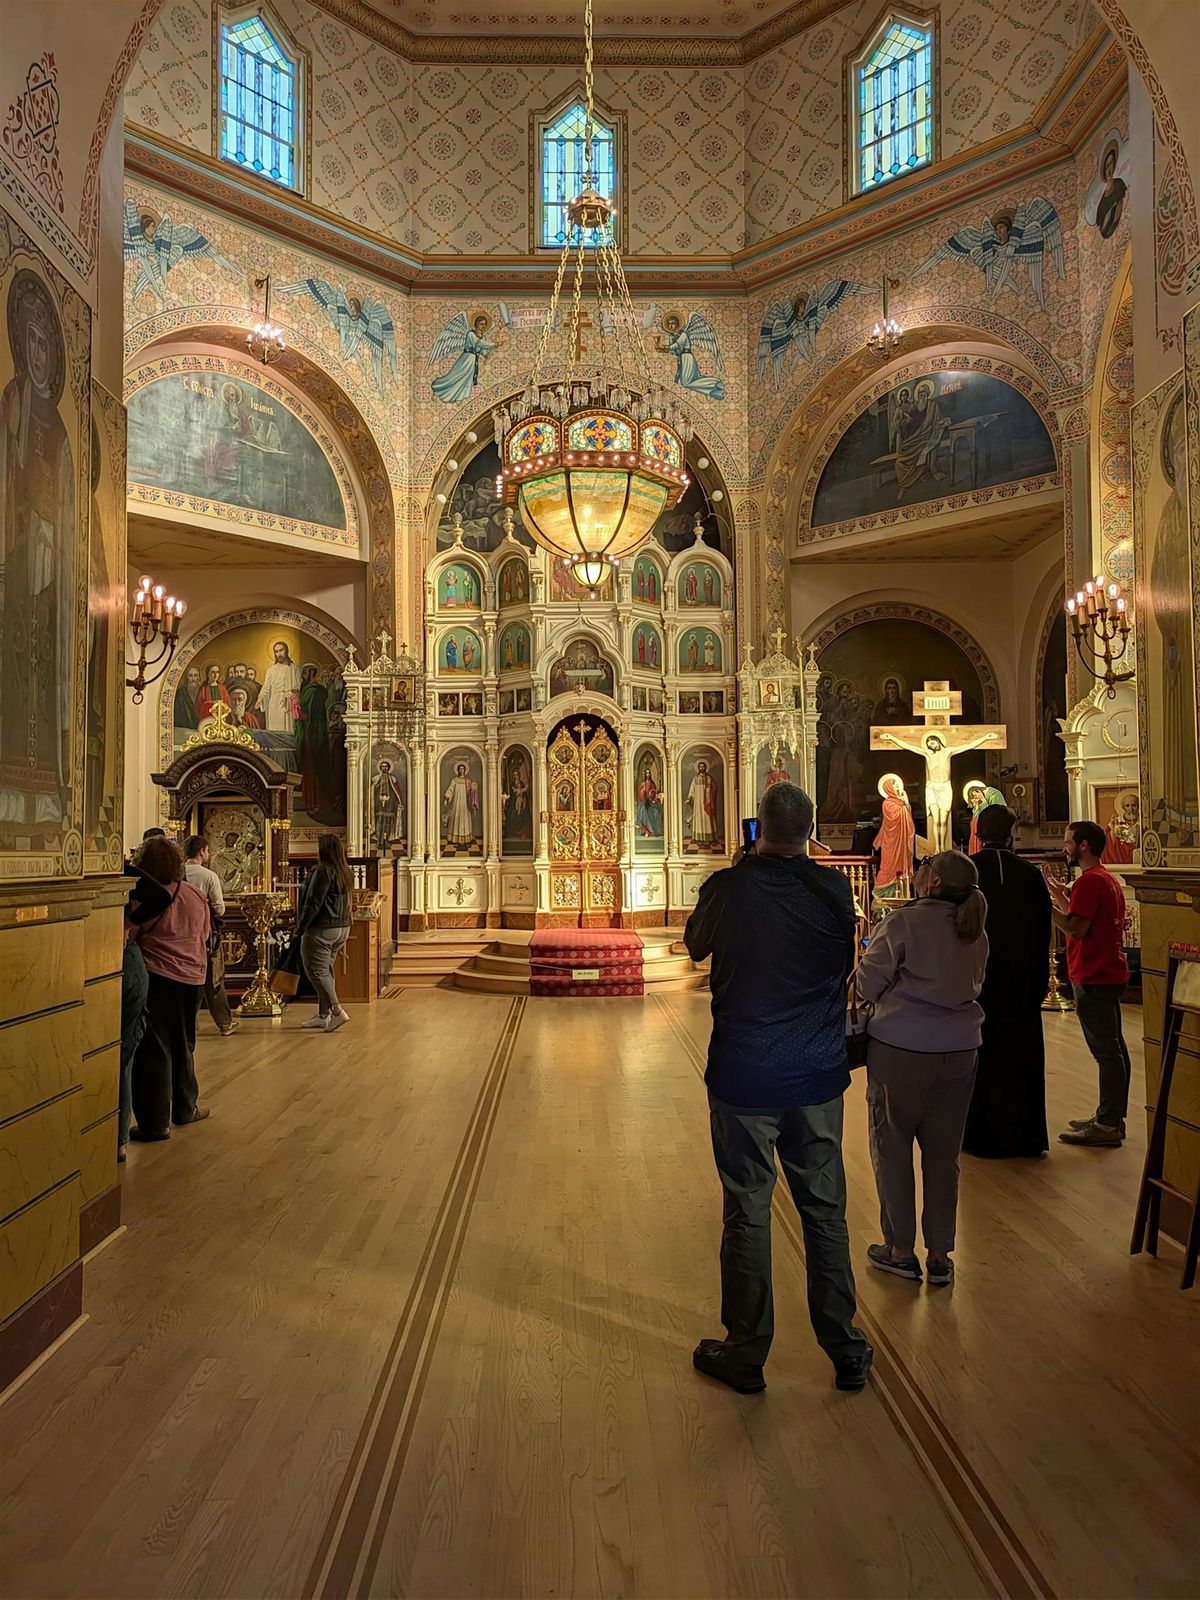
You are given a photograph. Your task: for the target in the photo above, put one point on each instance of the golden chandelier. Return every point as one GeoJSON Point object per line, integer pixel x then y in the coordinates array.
{"type": "Point", "coordinates": [592, 460]}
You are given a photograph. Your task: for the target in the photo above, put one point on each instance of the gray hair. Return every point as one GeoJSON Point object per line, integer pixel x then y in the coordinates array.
{"type": "Point", "coordinates": [785, 815]}
{"type": "Point", "coordinates": [958, 882]}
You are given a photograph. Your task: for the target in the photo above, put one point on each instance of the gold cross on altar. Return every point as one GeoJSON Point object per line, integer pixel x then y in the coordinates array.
{"type": "Point", "coordinates": [778, 637]}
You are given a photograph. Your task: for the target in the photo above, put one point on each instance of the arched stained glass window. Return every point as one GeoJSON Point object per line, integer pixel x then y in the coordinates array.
{"type": "Point", "coordinates": [260, 97]}
{"type": "Point", "coordinates": [892, 90]}
{"type": "Point", "coordinates": [561, 163]}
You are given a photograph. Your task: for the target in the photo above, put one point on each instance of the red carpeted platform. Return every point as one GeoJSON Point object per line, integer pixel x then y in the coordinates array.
{"type": "Point", "coordinates": [574, 962]}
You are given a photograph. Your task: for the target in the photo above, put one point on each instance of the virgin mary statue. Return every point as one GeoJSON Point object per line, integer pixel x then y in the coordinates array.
{"type": "Point", "coordinates": [897, 833]}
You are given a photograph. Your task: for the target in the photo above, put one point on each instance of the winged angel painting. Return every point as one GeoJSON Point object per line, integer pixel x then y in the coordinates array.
{"type": "Point", "coordinates": [466, 339]}
{"type": "Point", "coordinates": [1006, 245]}
{"type": "Point", "coordinates": [790, 327]}
{"type": "Point", "coordinates": [681, 339]}
{"type": "Point", "coordinates": [158, 245]}
{"type": "Point", "coordinates": [362, 325]}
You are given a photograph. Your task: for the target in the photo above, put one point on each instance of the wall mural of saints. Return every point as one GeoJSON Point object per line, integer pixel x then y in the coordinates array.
{"type": "Point", "coordinates": [103, 779]}
{"type": "Point", "coordinates": [459, 588]}
{"type": "Point", "coordinates": [513, 587]}
{"type": "Point", "coordinates": [648, 829]}
{"type": "Point", "coordinates": [1166, 645]}
{"type": "Point", "coordinates": [647, 584]}
{"type": "Point", "coordinates": [466, 341]}
{"type": "Point", "coordinates": [700, 775]}
{"type": "Point", "coordinates": [460, 791]}
{"type": "Point", "coordinates": [459, 650]}
{"type": "Point", "coordinates": [516, 798]}
{"type": "Point", "coordinates": [699, 651]}
{"type": "Point", "coordinates": [157, 245]}
{"type": "Point", "coordinates": [216, 437]}
{"type": "Point", "coordinates": [515, 648]}
{"type": "Point", "coordinates": [699, 584]}
{"type": "Point", "coordinates": [1009, 248]}
{"type": "Point", "coordinates": [45, 451]}
{"type": "Point", "coordinates": [647, 647]}
{"type": "Point", "coordinates": [286, 689]}
{"type": "Point", "coordinates": [362, 324]}
{"type": "Point", "coordinates": [1104, 203]}
{"type": "Point", "coordinates": [387, 781]}
{"type": "Point", "coordinates": [929, 437]}
{"type": "Point", "coordinates": [581, 667]}
{"type": "Point", "coordinates": [681, 337]}
{"type": "Point", "coordinates": [790, 327]}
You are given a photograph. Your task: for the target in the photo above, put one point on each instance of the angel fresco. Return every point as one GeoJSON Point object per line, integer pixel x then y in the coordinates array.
{"type": "Point", "coordinates": [468, 342]}
{"type": "Point", "coordinates": [794, 324]}
{"type": "Point", "coordinates": [682, 339]}
{"type": "Point", "coordinates": [1010, 242]}
{"type": "Point", "coordinates": [158, 244]}
{"type": "Point", "coordinates": [362, 325]}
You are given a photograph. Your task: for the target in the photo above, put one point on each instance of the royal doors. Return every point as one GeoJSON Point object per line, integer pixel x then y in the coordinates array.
{"type": "Point", "coordinates": [582, 787]}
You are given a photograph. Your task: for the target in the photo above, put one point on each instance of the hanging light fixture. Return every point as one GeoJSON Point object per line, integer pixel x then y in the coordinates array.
{"type": "Point", "coordinates": [592, 460]}
{"type": "Point", "coordinates": [885, 335]}
{"type": "Point", "coordinates": [265, 339]}
{"type": "Point", "coordinates": [153, 618]}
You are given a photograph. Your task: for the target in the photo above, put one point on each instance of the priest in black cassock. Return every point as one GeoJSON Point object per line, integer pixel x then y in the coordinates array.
{"type": "Point", "coordinates": [1008, 1106]}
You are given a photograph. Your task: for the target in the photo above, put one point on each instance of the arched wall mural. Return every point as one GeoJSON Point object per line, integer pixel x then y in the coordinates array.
{"type": "Point", "coordinates": [278, 672]}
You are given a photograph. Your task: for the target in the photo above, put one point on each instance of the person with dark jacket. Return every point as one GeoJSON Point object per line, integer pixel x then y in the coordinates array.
{"type": "Point", "coordinates": [147, 899]}
{"type": "Point", "coordinates": [323, 927]}
{"type": "Point", "coordinates": [781, 933]}
{"type": "Point", "coordinates": [1008, 1103]}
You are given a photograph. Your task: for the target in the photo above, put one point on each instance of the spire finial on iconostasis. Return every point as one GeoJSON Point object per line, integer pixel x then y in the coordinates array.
{"type": "Point", "coordinates": [458, 527]}
{"type": "Point", "coordinates": [698, 528]}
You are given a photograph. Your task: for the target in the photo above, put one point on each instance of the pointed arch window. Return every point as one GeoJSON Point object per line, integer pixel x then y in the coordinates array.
{"type": "Point", "coordinates": [892, 93]}
{"type": "Point", "coordinates": [260, 96]}
{"type": "Point", "coordinates": [558, 140]}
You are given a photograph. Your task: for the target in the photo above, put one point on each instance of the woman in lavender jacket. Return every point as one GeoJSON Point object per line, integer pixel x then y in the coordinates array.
{"type": "Point", "coordinates": [922, 972]}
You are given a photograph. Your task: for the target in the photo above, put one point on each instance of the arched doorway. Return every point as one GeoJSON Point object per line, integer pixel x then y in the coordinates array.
{"type": "Point", "coordinates": [583, 796]}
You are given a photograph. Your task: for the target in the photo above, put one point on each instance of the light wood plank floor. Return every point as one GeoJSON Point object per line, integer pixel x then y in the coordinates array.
{"type": "Point", "coordinates": [412, 1315]}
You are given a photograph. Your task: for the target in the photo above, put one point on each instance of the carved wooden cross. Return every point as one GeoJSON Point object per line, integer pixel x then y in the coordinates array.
{"type": "Point", "coordinates": [936, 741]}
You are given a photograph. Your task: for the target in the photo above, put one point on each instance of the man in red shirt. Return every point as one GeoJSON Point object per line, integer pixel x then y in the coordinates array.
{"type": "Point", "coordinates": [1093, 919]}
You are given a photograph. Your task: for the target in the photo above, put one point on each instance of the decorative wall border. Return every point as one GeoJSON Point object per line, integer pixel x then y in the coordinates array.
{"type": "Point", "coordinates": [260, 378]}
{"type": "Point", "coordinates": [1005, 371]}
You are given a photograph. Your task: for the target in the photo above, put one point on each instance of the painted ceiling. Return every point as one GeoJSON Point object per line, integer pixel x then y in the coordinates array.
{"type": "Point", "coordinates": [685, 19]}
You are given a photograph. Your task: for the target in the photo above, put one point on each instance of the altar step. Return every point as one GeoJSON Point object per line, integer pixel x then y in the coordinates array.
{"type": "Point", "coordinates": [505, 968]}
{"type": "Point", "coordinates": [496, 961]}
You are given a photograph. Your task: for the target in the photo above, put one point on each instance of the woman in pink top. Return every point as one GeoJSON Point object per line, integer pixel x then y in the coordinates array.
{"type": "Point", "coordinates": [175, 948]}
{"type": "Point", "coordinates": [922, 972]}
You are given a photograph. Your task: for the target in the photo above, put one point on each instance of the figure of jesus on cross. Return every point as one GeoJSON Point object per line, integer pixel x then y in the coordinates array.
{"type": "Point", "coordinates": [935, 741]}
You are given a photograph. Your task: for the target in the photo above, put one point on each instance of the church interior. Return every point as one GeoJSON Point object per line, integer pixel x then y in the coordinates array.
{"type": "Point", "coordinates": [494, 447]}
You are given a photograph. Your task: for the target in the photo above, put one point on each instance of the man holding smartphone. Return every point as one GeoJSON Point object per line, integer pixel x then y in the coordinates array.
{"type": "Point", "coordinates": [780, 930]}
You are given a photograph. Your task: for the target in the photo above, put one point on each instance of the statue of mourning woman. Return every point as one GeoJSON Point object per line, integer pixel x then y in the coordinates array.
{"type": "Point", "coordinates": [896, 837]}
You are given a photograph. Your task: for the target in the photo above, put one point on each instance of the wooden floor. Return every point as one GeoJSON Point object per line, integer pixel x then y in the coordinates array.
{"type": "Point", "coordinates": [412, 1315]}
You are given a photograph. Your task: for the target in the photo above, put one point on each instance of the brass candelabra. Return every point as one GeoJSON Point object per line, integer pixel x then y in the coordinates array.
{"type": "Point", "coordinates": [262, 911]}
{"type": "Point", "coordinates": [1099, 618]}
{"type": "Point", "coordinates": [153, 616]}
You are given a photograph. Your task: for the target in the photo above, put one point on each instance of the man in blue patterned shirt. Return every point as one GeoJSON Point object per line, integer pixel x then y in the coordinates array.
{"type": "Point", "coordinates": [780, 930]}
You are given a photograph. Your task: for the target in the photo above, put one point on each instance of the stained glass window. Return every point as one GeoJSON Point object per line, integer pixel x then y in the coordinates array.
{"type": "Point", "coordinates": [260, 100]}
{"type": "Point", "coordinates": [893, 91]}
{"type": "Point", "coordinates": [562, 160]}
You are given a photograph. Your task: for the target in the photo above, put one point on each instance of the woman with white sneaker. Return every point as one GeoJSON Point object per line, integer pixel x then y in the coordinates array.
{"type": "Point", "coordinates": [323, 926]}
{"type": "Point", "coordinates": [922, 972]}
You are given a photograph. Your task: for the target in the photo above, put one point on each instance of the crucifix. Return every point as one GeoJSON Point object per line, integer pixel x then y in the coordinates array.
{"type": "Point", "coordinates": [935, 741]}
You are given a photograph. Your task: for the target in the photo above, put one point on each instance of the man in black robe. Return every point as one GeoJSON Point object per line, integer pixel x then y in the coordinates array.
{"type": "Point", "coordinates": [1008, 1106]}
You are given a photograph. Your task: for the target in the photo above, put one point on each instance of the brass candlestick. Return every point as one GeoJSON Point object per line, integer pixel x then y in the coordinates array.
{"type": "Point", "coordinates": [262, 911]}
{"type": "Point", "coordinates": [1057, 999]}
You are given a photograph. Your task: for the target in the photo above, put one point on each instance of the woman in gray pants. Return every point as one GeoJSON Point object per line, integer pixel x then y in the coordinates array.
{"type": "Point", "coordinates": [323, 926]}
{"type": "Point", "coordinates": [923, 971]}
